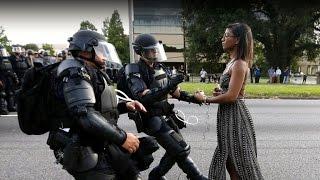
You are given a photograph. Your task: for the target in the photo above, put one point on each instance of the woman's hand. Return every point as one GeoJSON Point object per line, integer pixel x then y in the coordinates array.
{"type": "Point", "coordinates": [200, 96]}
{"type": "Point", "coordinates": [217, 91]}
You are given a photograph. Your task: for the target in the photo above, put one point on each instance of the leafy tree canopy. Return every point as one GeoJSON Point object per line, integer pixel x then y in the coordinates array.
{"type": "Point", "coordinates": [31, 46]}
{"type": "Point", "coordinates": [48, 47]}
{"type": "Point", "coordinates": [4, 41]}
{"type": "Point", "coordinates": [114, 32]}
{"type": "Point", "coordinates": [286, 30]}
{"type": "Point", "coordinates": [87, 25]}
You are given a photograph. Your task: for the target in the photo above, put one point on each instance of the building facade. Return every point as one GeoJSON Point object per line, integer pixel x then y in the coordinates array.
{"type": "Point", "coordinates": [163, 20]}
{"type": "Point", "coordinates": [309, 67]}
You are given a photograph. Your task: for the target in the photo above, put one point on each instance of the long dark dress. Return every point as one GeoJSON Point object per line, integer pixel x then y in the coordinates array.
{"type": "Point", "coordinates": [236, 140]}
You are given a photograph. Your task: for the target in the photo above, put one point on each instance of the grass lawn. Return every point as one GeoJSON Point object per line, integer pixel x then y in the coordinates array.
{"type": "Point", "coordinates": [263, 90]}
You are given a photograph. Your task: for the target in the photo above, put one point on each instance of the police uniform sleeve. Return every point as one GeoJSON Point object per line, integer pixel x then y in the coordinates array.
{"type": "Point", "coordinates": [80, 99]}
{"type": "Point", "coordinates": [122, 107]}
{"type": "Point", "coordinates": [137, 86]}
{"type": "Point", "coordinates": [185, 96]}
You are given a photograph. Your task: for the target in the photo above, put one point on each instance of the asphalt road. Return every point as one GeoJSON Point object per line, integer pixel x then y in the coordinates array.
{"type": "Point", "coordinates": [288, 141]}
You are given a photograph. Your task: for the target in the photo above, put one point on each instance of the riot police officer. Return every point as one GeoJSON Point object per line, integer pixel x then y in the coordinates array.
{"type": "Point", "coordinates": [30, 56]}
{"type": "Point", "coordinates": [46, 58]}
{"type": "Point", "coordinates": [8, 80]}
{"type": "Point", "coordinates": [19, 62]}
{"type": "Point", "coordinates": [149, 82]}
{"type": "Point", "coordinates": [92, 112]}
{"type": "Point", "coordinates": [64, 54]}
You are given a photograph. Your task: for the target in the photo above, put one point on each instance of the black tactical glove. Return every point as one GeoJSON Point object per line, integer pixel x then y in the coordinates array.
{"type": "Point", "coordinates": [174, 81]}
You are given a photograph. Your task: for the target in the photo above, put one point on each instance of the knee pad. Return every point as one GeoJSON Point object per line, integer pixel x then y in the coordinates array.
{"type": "Point", "coordinates": [11, 93]}
{"type": "Point", "coordinates": [173, 143]}
{"type": "Point", "coordinates": [2, 94]}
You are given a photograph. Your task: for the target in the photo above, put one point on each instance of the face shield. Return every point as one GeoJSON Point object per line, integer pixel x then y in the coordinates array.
{"type": "Point", "coordinates": [107, 52]}
{"type": "Point", "coordinates": [155, 52]}
{"type": "Point", "coordinates": [17, 49]}
{"type": "Point", "coordinates": [4, 53]}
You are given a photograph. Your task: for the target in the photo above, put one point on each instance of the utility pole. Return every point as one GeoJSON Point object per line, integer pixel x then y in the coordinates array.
{"type": "Point", "coordinates": [131, 19]}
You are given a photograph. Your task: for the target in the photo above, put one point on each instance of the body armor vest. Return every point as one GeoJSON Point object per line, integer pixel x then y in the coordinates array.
{"type": "Point", "coordinates": [5, 65]}
{"type": "Point", "coordinates": [160, 80]}
{"type": "Point", "coordinates": [21, 64]}
{"type": "Point", "coordinates": [109, 103]}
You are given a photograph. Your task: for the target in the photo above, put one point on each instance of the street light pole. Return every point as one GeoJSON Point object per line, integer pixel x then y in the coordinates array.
{"type": "Point", "coordinates": [131, 18]}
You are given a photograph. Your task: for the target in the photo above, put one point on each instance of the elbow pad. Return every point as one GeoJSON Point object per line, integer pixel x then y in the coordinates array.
{"type": "Point", "coordinates": [95, 124]}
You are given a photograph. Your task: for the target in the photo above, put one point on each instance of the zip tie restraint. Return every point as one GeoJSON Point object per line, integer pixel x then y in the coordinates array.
{"type": "Point", "coordinates": [122, 96]}
{"type": "Point", "coordinates": [183, 119]}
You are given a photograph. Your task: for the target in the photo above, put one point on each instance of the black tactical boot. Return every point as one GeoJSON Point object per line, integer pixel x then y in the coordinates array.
{"type": "Point", "coordinates": [154, 175]}
{"type": "Point", "coordinates": [11, 104]}
{"type": "Point", "coordinates": [12, 109]}
{"type": "Point", "coordinates": [164, 166]}
{"type": "Point", "coordinates": [200, 177]}
{"type": "Point", "coordinates": [3, 106]}
{"type": "Point", "coordinates": [192, 171]}
{"type": "Point", "coordinates": [4, 112]}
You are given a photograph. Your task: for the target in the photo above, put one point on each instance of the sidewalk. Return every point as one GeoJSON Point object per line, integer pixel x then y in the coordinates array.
{"type": "Point", "coordinates": [293, 80]}
{"type": "Point", "coordinates": [298, 80]}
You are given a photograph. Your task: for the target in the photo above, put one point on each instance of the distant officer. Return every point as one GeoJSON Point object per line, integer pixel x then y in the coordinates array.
{"type": "Point", "coordinates": [19, 62]}
{"type": "Point", "coordinates": [30, 56]}
{"type": "Point", "coordinates": [8, 80]}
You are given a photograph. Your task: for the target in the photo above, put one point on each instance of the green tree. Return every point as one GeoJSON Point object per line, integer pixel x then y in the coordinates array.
{"type": "Point", "coordinates": [204, 27]}
{"type": "Point", "coordinates": [48, 47]}
{"type": "Point", "coordinates": [87, 25]}
{"type": "Point", "coordinates": [31, 46]}
{"type": "Point", "coordinates": [114, 32]}
{"type": "Point", "coordinates": [105, 26]}
{"type": "Point", "coordinates": [285, 30]}
{"type": "Point", "coordinates": [4, 41]}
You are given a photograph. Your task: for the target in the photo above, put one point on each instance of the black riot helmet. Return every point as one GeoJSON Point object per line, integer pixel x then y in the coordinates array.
{"type": "Point", "coordinates": [84, 40]}
{"type": "Point", "coordinates": [17, 49]}
{"type": "Point", "coordinates": [64, 52]}
{"type": "Point", "coordinates": [30, 52]}
{"type": "Point", "coordinates": [91, 41]}
{"type": "Point", "coordinates": [145, 43]}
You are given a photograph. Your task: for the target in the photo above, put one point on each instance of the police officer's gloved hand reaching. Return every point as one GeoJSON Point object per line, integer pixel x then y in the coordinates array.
{"type": "Point", "coordinates": [174, 81]}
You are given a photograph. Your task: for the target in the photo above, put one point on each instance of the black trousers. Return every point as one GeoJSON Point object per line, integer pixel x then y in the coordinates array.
{"type": "Point", "coordinates": [256, 79]}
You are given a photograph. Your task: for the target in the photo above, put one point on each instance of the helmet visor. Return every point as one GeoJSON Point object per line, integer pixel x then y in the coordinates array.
{"type": "Point", "coordinates": [17, 49]}
{"type": "Point", "coordinates": [159, 50]}
{"type": "Point", "coordinates": [107, 52]}
{"type": "Point", "coordinates": [3, 52]}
